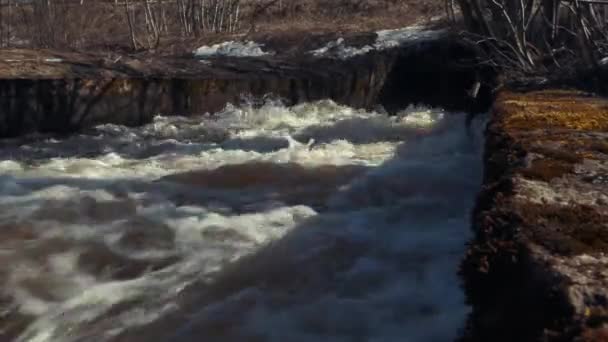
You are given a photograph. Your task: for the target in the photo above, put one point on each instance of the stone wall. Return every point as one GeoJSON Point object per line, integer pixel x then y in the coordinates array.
{"type": "Point", "coordinates": [428, 72]}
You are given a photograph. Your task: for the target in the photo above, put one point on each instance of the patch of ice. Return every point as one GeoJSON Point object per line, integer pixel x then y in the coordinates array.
{"type": "Point", "coordinates": [233, 49]}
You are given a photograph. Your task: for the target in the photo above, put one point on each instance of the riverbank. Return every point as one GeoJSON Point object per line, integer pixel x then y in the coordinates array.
{"type": "Point", "coordinates": [536, 267]}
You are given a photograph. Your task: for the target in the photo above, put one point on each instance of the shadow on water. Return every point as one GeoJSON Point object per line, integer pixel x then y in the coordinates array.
{"type": "Point", "coordinates": [377, 262]}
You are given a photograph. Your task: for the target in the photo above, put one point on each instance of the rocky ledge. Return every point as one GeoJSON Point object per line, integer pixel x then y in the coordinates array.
{"type": "Point", "coordinates": [537, 269]}
{"type": "Point", "coordinates": [60, 92]}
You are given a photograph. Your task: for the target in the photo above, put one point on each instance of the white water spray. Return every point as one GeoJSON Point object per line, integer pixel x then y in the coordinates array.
{"type": "Point", "coordinates": [316, 222]}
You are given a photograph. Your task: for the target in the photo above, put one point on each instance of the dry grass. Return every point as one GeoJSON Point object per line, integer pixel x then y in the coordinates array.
{"type": "Point", "coordinates": [315, 21]}
{"type": "Point", "coordinates": [351, 15]}
{"type": "Point", "coordinates": [102, 26]}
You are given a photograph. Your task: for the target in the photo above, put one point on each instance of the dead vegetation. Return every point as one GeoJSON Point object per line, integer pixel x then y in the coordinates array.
{"type": "Point", "coordinates": [553, 110]}
{"type": "Point", "coordinates": [547, 169]}
{"type": "Point", "coordinates": [556, 130]}
{"type": "Point", "coordinates": [567, 230]}
{"type": "Point", "coordinates": [152, 25]}
{"type": "Point", "coordinates": [532, 36]}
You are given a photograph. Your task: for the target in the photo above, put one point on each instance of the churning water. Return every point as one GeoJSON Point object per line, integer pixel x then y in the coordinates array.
{"type": "Point", "coordinates": [316, 222]}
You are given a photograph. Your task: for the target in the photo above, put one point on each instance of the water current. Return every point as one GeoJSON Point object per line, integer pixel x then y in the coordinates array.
{"type": "Point", "coordinates": [316, 222]}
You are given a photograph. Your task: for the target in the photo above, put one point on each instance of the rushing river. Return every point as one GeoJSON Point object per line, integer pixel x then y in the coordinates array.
{"type": "Point", "coordinates": [316, 222]}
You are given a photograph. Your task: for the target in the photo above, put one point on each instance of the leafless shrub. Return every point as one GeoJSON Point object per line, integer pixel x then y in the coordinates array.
{"type": "Point", "coordinates": [200, 16]}
{"type": "Point", "coordinates": [525, 34]}
{"type": "Point", "coordinates": [67, 23]}
{"type": "Point", "coordinates": [148, 24]}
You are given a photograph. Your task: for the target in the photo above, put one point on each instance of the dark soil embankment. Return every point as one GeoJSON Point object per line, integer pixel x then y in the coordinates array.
{"type": "Point", "coordinates": [536, 269]}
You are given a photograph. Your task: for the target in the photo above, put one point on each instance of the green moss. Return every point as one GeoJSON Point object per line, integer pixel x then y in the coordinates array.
{"type": "Point", "coordinates": [560, 121]}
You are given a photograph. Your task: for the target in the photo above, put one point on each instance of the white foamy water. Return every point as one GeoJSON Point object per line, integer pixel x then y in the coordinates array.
{"type": "Point", "coordinates": [317, 222]}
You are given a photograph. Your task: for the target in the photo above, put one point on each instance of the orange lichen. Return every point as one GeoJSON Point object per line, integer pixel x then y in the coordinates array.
{"type": "Point", "coordinates": [555, 125]}
{"type": "Point", "coordinates": [553, 109]}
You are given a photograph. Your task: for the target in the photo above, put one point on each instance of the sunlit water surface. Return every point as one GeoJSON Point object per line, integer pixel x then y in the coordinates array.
{"type": "Point", "coordinates": [309, 223]}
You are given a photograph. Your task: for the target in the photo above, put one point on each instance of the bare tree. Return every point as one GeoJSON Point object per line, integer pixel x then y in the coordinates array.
{"type": "Point", "coordinates": [130, 24]}
{"type": "Point", "coordinates": [523, 33]}
{"type": "Point", "coordinates": [138, 23]}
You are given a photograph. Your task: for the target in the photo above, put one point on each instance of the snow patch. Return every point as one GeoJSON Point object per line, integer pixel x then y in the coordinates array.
{"type": "Point", "coordinates": [385, 39]}
{"type": "Point", "coordinates": [233, 49]}
{"type": "Point", "coordinates": [338, 49]}
{"type": "Point", "coordinates": [392, 38]}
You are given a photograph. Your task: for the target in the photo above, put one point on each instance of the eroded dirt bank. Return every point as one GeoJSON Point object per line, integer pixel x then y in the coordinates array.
{"type": "Point", "coordinates": [536, 269]}
{"type": "Point", "coordinates": [56, 92]}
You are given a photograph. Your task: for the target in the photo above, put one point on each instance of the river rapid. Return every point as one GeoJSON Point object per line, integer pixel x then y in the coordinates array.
{"type": "Point", "coordinates": [316, 222]}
